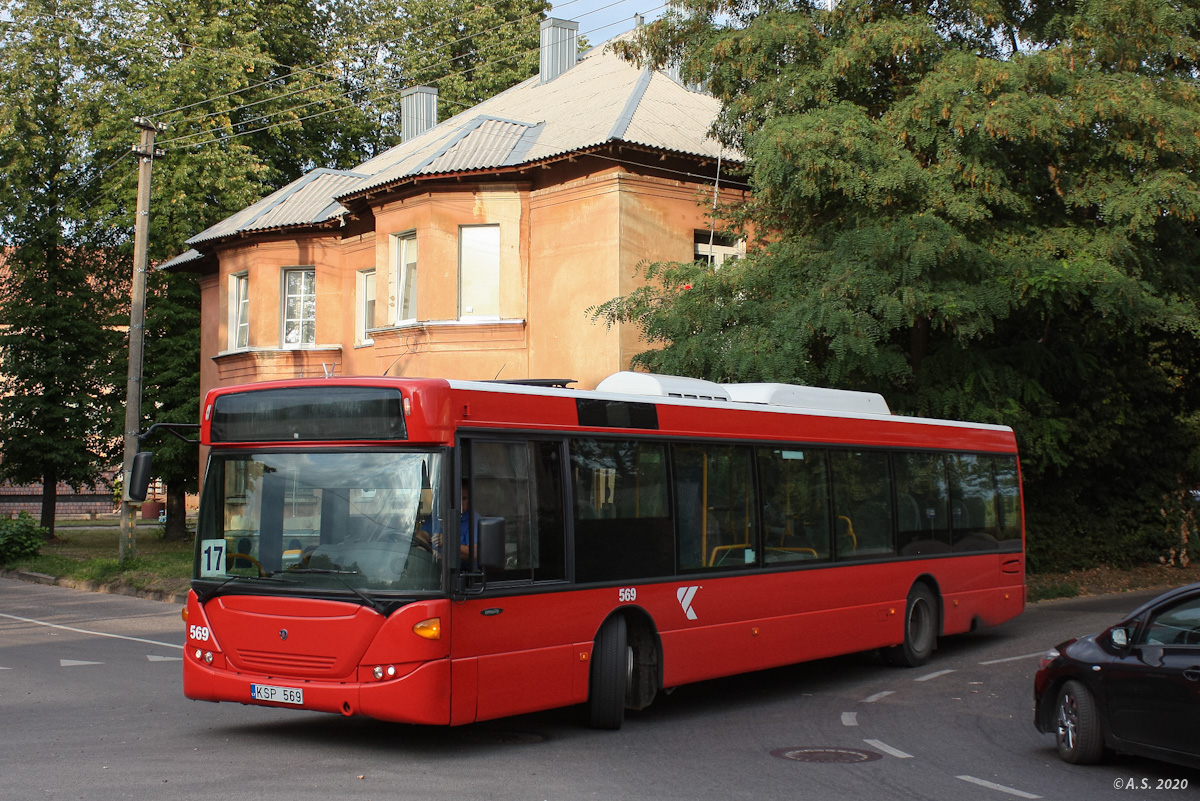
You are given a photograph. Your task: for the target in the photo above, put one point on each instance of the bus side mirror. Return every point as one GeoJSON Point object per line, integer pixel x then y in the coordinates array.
{"type": "Point", "coordinates": [139, 475]}
{"type": "Point", "coordinates": [491, 543]}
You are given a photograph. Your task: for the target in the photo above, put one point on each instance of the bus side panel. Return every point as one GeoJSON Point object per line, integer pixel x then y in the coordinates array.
{"type": "Point", "coordinates": [464, 692]}
{"type": "Point", "coordinates": [524, 681]}
{"type": "Point", "coordinates": [522, 647]}
{"type": "Point", "coordinates": [750, 645]}
{"type": "Point", "coordinates": [979, 591]}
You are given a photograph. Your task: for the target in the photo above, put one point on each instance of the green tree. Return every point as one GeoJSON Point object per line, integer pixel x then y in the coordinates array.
{"type": "Point", "coordinates": [248, 105]}
{"type": "Point", "coordinates": [60, 297]}
{"type": "Point", "coordinates": [985, 211]}
{"type": "Point", "coordinates": [469, 51]}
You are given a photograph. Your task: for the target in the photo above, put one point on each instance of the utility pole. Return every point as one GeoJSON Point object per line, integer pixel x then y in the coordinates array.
{"type": "Point", "coordinates": [137, 332]}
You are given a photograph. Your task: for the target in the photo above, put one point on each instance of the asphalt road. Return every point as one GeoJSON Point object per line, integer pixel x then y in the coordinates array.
{"type": "Point", "coordinates": [91, 708]}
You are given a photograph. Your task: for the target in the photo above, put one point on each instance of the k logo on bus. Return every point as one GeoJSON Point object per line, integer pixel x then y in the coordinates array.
{"type": "Point", "coordinates": [685, 596]}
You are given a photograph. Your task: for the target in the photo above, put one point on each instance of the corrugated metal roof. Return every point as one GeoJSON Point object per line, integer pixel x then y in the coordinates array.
{"type": "Point", "coordinates": [601, 99]}
{"type": "Point", "coordinates": [309, 199]}
{"type": "Point", "coordinates": [187, 256]}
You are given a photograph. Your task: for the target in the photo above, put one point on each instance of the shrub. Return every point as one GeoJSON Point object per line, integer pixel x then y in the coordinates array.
{"type": "Point", "coordinates": [20, 538]}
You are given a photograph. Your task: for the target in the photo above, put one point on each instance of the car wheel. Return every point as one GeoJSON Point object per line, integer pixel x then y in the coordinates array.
{"type": "Point", "coordinates": [1077, 725]}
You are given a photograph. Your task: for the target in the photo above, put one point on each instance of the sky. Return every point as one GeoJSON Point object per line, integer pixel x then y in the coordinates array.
{"type": "Point", "coordinates": [600, 20]}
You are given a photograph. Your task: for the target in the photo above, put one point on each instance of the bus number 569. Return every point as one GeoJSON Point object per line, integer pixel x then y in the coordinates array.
{"type": "Point", "coordinates": [627, 594]}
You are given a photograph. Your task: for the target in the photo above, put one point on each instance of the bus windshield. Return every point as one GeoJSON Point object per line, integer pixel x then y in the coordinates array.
{"type": "Point", "coordinates": [325, 520]}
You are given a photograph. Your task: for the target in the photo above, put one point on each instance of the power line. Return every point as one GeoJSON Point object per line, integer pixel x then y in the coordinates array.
{"type": "Point", "coordinates": [390, 84]}
{"type": "Point", "coordinates": [477, 9]}
{"type": "Point", "coordinates": [99, 174]}
{"type": "Point", "coordinates": [387, 82]}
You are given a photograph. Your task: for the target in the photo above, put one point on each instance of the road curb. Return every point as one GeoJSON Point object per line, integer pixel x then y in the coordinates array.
{"type": "Point", "coordinates": [92, 586]}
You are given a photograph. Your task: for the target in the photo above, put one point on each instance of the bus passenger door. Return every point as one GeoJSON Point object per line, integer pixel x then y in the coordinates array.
{"type": "Point", "coordinates": [514, 631]}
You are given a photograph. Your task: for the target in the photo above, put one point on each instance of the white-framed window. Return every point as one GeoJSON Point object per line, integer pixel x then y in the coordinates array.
{"type": "Point", "coordinates": [365, 308]}
{"type": "Point", "coordinates": [479, 271]}
{"type": "Point", "coordinates": [239, 311]}
{"type": "Point", "coordinates": [716, 248]}
{"type": "Point", "coordinates": [299, 307]}
{"type": "Point", "coordinates": [404, 257]}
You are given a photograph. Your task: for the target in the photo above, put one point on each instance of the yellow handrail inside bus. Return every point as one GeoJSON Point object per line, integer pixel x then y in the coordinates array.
{"type": "Point", "coordinates": [712, 562]}
{"type": "Point", "coordinates": [850, 532]}
{"type": "Point", "coordinates": [812, 551]}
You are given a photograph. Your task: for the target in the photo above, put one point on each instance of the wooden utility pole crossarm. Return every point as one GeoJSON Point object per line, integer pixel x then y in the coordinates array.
{"type": "Point", "coordinates": [137, 330]}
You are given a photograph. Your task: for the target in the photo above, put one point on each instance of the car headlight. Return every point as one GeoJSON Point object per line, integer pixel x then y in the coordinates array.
{"type": "Point", "coordinates": [1048, 657]}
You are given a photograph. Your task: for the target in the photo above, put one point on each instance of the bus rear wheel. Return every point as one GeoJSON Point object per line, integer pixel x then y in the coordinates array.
{"type": "Point", "coordinates": [920, 629]}
{"type": "Point", "coordinates": [611, 670]}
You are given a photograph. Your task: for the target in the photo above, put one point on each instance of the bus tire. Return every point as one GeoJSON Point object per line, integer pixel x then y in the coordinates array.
{"type": "Point", "coordinates": [609, 675]}
{"type": "Point", "coordinates": [920, 629]}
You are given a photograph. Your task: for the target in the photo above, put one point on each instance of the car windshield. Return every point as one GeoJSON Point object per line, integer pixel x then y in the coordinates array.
{"type": "Point", "coordinates": [330, 520]}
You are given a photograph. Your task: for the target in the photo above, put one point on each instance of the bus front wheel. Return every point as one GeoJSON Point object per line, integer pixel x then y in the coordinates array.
{"type": "Point", "coordinates": [610, 675]}
{"type": "Point", "coordinates": [920, 629]}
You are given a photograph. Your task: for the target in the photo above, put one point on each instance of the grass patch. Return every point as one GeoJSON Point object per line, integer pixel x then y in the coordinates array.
{"type": "Point", "coordinates": [90, 553]}
{"type": "Point", "coordinates": [1045, 590]}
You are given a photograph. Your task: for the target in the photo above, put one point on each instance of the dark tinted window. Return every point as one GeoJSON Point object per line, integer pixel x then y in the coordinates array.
{"type": "Point", "coordinates": [715, 502]}
{"type": "Point", "coordinates": [795, 512]}
{"type": "Point", "coordinates": [309, 413]}
{"type": "Point", "coordinates": [622, 517]}
{"type": "Point", "coordinates": [616, 414]}
{"type": "Point", "coordinates": [522, 483]}
{"type": "Point", "coordinates": [922, 503]}
{"type": "Point", "coordinates": [1008, 489]}
{"type": "Point", "coordinates": [861, 504]}
{"type": "Point", "coordinates": [973, 503]}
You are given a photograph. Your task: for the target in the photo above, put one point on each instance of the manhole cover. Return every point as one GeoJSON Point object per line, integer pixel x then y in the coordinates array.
{"type": "Point", "coordinates": [501, 737]}
{"type": "Point", "coordinates": [821, 754]}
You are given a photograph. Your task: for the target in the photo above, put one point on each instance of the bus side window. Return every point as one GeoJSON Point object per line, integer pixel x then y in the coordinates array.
{"type": "Point", "coordinates": [861, 482]}
{"type": "Point", "coordinates": [795, 498]}
{"type": "Point", "coordinates": [972, 497]}
{"type": "Point", "coordinates": [622, 518]}
{"type": "Point", "coordinates": [714, 499]}
{"type": "Point", "coordinates": [922, 503]}
{"type": "Point", "coordinates": [1008, 503]}
{"type": "Point", "coordinates": [522, 483]}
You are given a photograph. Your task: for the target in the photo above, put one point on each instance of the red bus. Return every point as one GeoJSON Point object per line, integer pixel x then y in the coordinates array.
{"type": "Point", "coordinates": [444, 552]}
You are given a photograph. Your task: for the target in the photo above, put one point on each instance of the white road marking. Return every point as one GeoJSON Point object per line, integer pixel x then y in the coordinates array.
{"type": "Point", "coordinates": [95, 633]}
{"type": "Point", "coordinates": [873, 698]}
{"type": "Point", "coordinates": [157, 658]}
{"type": "Point", "coordinates": [1012, 658]}
{"type": "Point", "coordinates": [1000, 787]}
{"type": "Point", "coordinates": [887, 749]}
{"type": "Point", "coordinates": [933, 675]}
{"type": "Point", "coordinates": [76, 663]}
{"type": "Point", "coordinates": [849, 718]}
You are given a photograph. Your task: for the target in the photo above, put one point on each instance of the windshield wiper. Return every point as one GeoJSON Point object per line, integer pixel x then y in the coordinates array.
{"type": "Point", "coordinates": [337, 574]}
{"type": "Point", "coordinates": [215, 590]}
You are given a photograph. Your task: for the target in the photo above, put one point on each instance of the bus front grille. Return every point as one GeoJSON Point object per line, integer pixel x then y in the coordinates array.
{"type": "Point", "coordinates": [296, 664]}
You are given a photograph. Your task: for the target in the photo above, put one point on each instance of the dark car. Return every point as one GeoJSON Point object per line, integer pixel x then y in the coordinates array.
{"type": "Point", "coordinates": [1133, 688]}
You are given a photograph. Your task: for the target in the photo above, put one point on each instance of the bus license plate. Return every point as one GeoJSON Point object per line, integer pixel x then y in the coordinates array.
{"type": "Point", "coordinates": [280, 695]}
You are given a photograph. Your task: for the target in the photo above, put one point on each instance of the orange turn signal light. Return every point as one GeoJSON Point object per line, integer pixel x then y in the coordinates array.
{"type": "Point", "coordinates": [430, 629]}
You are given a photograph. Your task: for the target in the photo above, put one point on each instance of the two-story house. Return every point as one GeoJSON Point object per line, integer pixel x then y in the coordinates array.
{"type": "Point", "coordinates": [474, 248]}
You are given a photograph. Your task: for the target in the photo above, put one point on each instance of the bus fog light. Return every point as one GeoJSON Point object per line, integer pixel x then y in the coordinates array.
{"type": "Point", "coordinates": [377, 672]}
{"type": "Point", "coordinates": [391, 671]}
{"type": "Point", "coordinates": [199, 654]}
{"type": "Point", "coordinates": [208, 657]}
